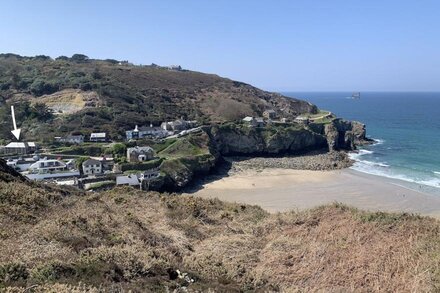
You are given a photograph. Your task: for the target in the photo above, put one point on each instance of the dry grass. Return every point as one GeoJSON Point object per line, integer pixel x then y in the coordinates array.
{"type": "Point", "coordinates": [127, 240]}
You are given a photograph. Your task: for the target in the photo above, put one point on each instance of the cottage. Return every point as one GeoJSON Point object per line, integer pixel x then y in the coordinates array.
{"type": "Point", "coordinates": [270, 114]}
{"type": "Point", "coordinates": [140, 154]}
{"type": "Point", "coordinates": [91, 167]}
{"type": "Point", "coordinates": [98, 137]}
{"type": "Point", "coordinates": [146, 132]}
{"type": "Point", "coordinates": [77, 139]}
{"type": "Point", "coordinates": [20, 148]}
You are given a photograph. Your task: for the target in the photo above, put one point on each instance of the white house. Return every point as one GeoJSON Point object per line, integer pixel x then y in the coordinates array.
{"type": "Point", "coordinates": [98, 137]}
{"type": "Point", "coordinates": [78, 139]}
{"type": "Point", "coordinates": [254, 122]}
{"type": "Point", "coordinates": [47, 166]}
{"type": "Point", "coordinates": [150, 132]}
{"type": "Point", "coordinates": [91, 167]}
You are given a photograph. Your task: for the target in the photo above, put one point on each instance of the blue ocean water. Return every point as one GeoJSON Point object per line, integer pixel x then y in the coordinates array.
{"type": "Point", "coordinates": [406, 127]}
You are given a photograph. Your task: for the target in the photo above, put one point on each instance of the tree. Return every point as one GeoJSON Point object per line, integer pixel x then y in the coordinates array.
{"type": "Point", "coordinates": [79, 161]}
{"type": "Point", "coordinates": [79, 58]}
{"type": "Point", "coordinates": [119, 149]}
{"type": "Point", "coordinates": [42, 112]}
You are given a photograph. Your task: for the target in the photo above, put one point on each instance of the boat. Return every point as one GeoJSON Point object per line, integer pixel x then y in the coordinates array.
{"type": "Point", "coordinates": [356, 95]}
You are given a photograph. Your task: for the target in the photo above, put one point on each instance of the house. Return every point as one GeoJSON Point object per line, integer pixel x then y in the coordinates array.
{"type": "Point", "coordinates": [259, 122]}
{"type": "Point", "coordinates": [175, 67]}
{"type": "Point", "coordinates": [91, 167]}
{"type": "Point", "coordinates": [302, 120]}
{"type": "Point", "coordinates": [47, 166]}
{"type": "Point", "coordinates": [107, 163]}
{"type": "Point", "coordinates": [270, 114]}
{"type": "Point", "coordinates": [178, 125]}
{"type": "Point", "coordinates": [77, 139]}
{"type": "Point", "coordinates": [146, 132]}
{"type": "Point", "coordinates": [98, 137]}
{"type": "Point", "coordinates": [22, 164]}
{"type": "Point", "coordinates": [140, 154]}
{"type": "Point", "coordinates": [20, 148]}
{"type": "Point", "coordinates": [250, 121]}
{"type": "Point", "coordinates": [50, 169]}
{"type": "Point", "coordinates": [141, 179]}
{"type": "Point", "coordinates": [130, 180]}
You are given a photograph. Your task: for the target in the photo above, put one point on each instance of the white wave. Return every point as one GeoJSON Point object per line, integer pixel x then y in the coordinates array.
{"type": "Point", "coordinates": [378, 141]}
{"type": "Point", "coordinates": [357, 154]}
{"type": "Point", "coordinates": [365, 152]}
{"type": "Point", "coordinates": [370, 163]}
{"type": "Point", "coordinates": [372, 168]}
{"type": "Point", "coordinates": [436, 172]}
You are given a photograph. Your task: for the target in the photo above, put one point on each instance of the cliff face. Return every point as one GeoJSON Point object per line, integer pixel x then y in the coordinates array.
{"type": "Point", "coordinates": [235, 139]}
{"type": "Point", "coordinates": [240, 140]}
{"type": "Point", "coordinates": [342, 134]}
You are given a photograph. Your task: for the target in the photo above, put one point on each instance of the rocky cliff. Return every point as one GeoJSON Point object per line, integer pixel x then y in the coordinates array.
{"type": "Point", "coordinates": [235, 139]}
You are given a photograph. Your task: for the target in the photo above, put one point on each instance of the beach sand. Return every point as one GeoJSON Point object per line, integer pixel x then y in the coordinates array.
{"type": "Point", "coordinates": [279, 190]}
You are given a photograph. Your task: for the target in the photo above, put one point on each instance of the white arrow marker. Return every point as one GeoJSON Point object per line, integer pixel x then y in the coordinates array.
{"type": "Point", "coordinates": [16, 132]}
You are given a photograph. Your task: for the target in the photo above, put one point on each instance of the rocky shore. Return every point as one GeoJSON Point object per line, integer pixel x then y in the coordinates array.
{"type": "Point", "coordinates": [316, 161]}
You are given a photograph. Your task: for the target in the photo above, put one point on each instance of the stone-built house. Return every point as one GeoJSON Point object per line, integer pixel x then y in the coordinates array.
{"type": "Point", "coordinates": [270, 114]}
{"type": "Point", "coordinates": [140, 154]}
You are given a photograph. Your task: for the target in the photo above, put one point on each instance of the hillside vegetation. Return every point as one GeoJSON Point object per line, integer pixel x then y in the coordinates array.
{"type": "Point", "coordinates": [111, 96]}
{"type": "Point", "coordinates": [64, 241]}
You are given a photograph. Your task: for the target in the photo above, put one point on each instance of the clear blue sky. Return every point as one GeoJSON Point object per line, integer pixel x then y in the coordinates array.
{"type": "Point", "coordinates": [277, 45]}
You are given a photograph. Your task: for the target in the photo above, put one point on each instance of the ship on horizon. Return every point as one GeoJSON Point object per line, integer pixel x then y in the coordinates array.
{"type": "Point", "coordinates": [356, 95]}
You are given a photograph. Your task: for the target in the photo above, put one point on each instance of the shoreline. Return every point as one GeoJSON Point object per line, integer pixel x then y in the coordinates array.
{"type": "Point", "coordinates": [281, 190]}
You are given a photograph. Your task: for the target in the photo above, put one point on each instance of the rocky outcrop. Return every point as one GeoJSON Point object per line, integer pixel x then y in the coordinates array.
{"type": "Point", "coordinates": [7, 174]}
{"type": "Point", "coordinates": [236, 139]}
{"type": "Point", "coordinates": [342, 134]}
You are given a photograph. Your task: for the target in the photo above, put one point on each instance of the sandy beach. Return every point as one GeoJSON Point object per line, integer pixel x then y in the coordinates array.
{"type": "Point", "coordinates": [279, 190]}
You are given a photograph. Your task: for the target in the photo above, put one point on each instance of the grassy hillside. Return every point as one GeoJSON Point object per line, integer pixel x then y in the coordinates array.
{"type": "Point", "coordinates": [111, 96]}
{"type": "Point", "coordinates": [59, 241]}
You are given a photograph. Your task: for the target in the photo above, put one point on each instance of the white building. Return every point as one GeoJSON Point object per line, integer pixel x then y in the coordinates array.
{"type": "Point", "coordinates": [47, 166]}
{"type": "Point", "coordinates": [146, 132]}
{"type": "Point", "coordinates": [20, 148]}
{"type": "Point", "coordinates": [91, 167]}
{"type": "Point", "coordinates": [98, 137]}
{"type": "Point", "coordinates": [77, 139]}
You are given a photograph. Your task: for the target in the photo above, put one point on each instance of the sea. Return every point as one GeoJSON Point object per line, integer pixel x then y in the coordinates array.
{"type": "Point", "coordinates": [405, 127]}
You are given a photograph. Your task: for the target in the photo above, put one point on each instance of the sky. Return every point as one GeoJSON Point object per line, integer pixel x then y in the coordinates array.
{"type": "Point", "coordinates": [309, 45]}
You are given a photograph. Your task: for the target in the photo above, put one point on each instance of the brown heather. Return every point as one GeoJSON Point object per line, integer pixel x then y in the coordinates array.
{"type": "Point", "coordinates": [54, 240]}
